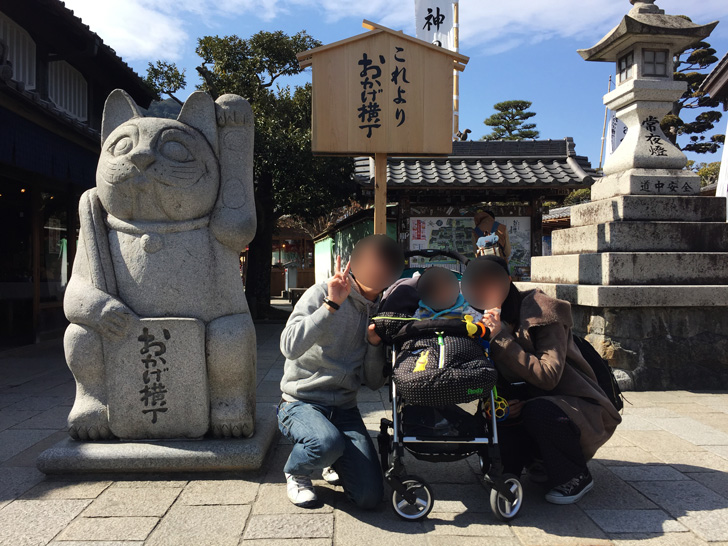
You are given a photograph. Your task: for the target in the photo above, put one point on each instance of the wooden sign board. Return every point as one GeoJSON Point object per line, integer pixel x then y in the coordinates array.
{"type": "Point", "coordinates": [382, 92]}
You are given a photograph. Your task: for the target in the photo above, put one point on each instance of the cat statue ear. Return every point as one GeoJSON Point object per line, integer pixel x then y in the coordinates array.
{"type": "Point", "coordinates": [118, 109]}
{"type": "Point", "coordinates": [198, 112]}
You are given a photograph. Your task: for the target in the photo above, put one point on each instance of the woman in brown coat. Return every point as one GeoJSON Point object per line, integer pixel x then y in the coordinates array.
{"type": "Point", "coordinates": [562, 416]}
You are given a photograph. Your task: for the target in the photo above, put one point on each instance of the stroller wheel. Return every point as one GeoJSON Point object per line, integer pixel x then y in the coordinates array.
{"type": "Point", "coordinates": [423, 502]}
{"type": "Point", "coordinates": [482, 463]}
{"type": "Point", "coordinates": [502, 508]}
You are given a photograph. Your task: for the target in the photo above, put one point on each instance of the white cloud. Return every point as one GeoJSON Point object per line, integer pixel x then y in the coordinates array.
{"type": "Point", "coordinates": [134, 28]}
{"type": "Point", "coordinates": [495, 26]}
{"type": "Point", "coordinates": [151, 29]}
{"type": "Point", "coordinates": [154, 29]}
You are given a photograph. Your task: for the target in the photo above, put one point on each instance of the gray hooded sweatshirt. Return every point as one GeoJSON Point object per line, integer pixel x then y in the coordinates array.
{"type": "Point", "coordinates": [327, 354]}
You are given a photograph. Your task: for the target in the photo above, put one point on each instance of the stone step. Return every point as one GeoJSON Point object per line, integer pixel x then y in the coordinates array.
{"type": "Point", "coordinates": [642, 237]}
{"type": "Point", "coordinates": [672, 182]}
{"type": "Point", "coordinates": [650, 208]}
{"type": "Point", "coordinates": [589, 295]}
{"type": "Point", "coordinates": [632, 268]}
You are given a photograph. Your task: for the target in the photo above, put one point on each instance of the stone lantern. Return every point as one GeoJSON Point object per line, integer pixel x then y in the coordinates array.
{"type": "Point", "coordinates": [642, 47]}
{"type": "Point", "coordinates": [645, 263]}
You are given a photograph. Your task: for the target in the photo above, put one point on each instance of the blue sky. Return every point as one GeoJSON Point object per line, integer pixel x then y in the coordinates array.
{"type": "Point", "coordinates": [519, 49]}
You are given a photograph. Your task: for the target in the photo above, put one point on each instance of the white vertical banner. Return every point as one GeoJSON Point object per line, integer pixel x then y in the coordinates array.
{"type": "Point", "coordinates": [616, 133]}
{"type": "Point", "coordinates": [722, 189]}
{"type": "Point", "coordinates": [434, 22]}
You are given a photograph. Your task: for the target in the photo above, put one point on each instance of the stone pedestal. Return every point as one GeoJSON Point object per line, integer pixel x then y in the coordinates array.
{"type": "Point", "coordinates": [646, 277]}
{"type": "Point", "coordinates": [645, 264]}
{"type": "Point", "coordinates": [164, 456]}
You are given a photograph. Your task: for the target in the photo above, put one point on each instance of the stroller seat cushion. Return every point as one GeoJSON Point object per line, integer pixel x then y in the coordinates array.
{"type": "Point", "coordinates": [442, 370]}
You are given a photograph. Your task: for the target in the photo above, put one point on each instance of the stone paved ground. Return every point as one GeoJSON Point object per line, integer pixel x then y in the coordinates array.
{"type": "Point", "coordinates": [662, 480]}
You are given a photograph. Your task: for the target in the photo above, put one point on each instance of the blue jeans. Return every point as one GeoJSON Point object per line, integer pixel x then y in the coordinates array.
{"type": "Point", "coordinates": [331, 436]}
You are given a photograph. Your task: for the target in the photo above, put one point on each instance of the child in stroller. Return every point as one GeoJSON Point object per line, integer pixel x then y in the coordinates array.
{"type": "Point", "coordinates": [440, 296]}
{"type": "Point", "coordinates": [438, 363]}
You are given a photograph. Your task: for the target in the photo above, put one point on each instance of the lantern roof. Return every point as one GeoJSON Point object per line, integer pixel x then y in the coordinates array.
{"type": "Point", "coordinates": [646, 22]}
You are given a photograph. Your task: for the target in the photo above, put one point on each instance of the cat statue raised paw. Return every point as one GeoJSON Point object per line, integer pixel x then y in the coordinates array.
{"type": "Point", "coordinates": [161, 342]}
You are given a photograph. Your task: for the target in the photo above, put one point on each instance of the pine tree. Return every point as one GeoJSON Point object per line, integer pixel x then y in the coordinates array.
{"type": "Point", "coordinates": [289, 179]}
{"type": "Point", "coordinates": [699, 56]}
{"type": "Point", "coordinates": [509, 121]}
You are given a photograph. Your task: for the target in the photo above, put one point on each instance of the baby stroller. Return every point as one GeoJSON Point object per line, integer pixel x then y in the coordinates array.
{"type": "Point", "coordinates": [426, 420]}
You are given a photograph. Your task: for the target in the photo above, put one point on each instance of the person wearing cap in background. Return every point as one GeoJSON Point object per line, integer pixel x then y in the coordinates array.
{"type": "Point", "coordinates": [486, 227]}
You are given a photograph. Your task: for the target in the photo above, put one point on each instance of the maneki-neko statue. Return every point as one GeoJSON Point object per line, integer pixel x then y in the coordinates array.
{"type": "Point", "coordinates": [161, 342]}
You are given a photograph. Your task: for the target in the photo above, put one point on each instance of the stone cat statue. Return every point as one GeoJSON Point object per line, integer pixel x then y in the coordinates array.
{"type": "Point", "coordinates": [160, 238]}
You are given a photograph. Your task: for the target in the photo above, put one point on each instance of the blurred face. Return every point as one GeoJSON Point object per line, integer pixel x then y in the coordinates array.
{"type": "Point", "coordinates": [372, 270]}
{"type": "Point", "coordinates": [443, 293]}
{"type": "Point", "coordinates": [487, 289]}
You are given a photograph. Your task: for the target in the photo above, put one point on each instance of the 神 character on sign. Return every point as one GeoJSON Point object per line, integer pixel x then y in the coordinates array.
{"type": "Point", "coordinates": [434, 19]}
{"type": "Point", "coordinates": [160, 236]}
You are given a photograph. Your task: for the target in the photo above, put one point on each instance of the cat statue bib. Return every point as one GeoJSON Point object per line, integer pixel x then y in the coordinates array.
{"type": "Point", "coordinates": [161, 342]}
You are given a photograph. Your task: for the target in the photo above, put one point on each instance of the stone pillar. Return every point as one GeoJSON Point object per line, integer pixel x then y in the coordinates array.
{"type": "Point", "coordinates": [646, 277]}
{"type": "Point", "coordinates": [645, 264]}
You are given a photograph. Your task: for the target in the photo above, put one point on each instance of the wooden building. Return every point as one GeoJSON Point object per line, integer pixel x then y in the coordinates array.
{"type": "Point", "coordinates": [339, 239]}
{"type": "Point", "coordinates": [55, 74]}
{"type": "Point", "coordinates": [293, 249]}
{"type": "Point", "coordinates": [437, 197]}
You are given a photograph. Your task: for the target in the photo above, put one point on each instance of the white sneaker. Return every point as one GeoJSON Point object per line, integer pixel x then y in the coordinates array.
{"type": "Point", "coordinates": [300, 491]}
{"type": "Point", "coordinates": [331, 476]}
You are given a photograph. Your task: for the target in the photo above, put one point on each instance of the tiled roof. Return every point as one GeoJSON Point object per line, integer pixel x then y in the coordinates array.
{"type": "Point", "coordinates": [33, 98]}
{"type": "Point", "coordinates": [110, 63]}
{"type": "Point", "coordinates": [716, 84]}
{"type": "Point", "coordinates": [50, 22]}
{"type": "Point", "coordinates": [496, 164]}
{"type": "Point", "coordinates": [558, 213]}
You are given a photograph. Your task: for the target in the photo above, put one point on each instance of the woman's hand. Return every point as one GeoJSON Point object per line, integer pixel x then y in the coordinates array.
{"type": "Point", "coordinates": [492, 319]}
{"type": "Point", "coordinates": [372, 337]}
{"type": "Point", "coordinates": [514, 407]}
{"type": "Point", "coordinates": [339, 286]}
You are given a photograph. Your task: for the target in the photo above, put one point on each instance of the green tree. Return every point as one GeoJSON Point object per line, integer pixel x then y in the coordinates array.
{"type": "Point", "coordinates": [691, 66]}
{"type": "Point", "coordinates": [509, 121]}
{"type": "Point", "coordinates": [166, 79]}
{"type": "Point", "coordinates": [289, 179]}
{"type": "Point", "coordinates": [708, 172]}
{"type": "Point", "coordinates": [582, 195]}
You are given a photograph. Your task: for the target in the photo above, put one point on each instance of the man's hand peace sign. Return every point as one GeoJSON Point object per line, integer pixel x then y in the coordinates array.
{"type": "Point", "coordinates": [340, 284]}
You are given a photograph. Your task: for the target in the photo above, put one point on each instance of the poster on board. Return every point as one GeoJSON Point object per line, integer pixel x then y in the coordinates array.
{"type": "Point", "coordinates": [455, 233]}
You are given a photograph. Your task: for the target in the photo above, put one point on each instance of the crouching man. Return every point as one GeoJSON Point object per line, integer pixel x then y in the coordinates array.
{"type": "Point", "coordinates": [330, 351]}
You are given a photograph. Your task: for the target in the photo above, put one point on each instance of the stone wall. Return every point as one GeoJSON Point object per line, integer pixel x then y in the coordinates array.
{"type": "Point", "coordinates": [660, 347]}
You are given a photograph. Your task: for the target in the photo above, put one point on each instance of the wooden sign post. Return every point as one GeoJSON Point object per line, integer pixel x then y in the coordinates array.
{"type": "Point", "coordinates": [380, 193]}
{"type": "Point", "coordinates": [382, 93]}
